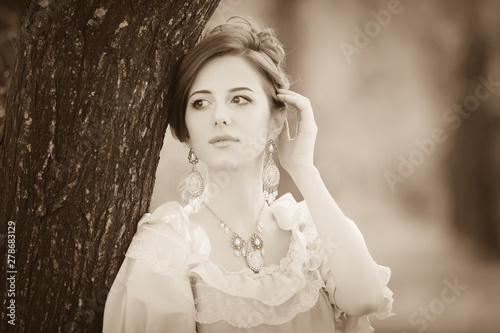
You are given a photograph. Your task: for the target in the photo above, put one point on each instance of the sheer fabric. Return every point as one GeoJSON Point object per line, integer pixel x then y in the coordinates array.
{"type": "Point", "coordinates": [168, 284]}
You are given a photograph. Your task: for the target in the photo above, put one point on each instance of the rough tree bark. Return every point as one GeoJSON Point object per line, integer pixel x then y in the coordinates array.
{"type": "Point", "coordinates": [84, 127]}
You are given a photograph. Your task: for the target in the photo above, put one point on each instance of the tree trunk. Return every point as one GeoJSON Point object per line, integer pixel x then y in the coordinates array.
{"type": "Point", "coordinates": [84, 127]}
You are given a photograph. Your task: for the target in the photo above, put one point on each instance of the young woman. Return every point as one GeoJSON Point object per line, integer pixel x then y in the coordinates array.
{"type": "Point", "coordinates": [235, 259]}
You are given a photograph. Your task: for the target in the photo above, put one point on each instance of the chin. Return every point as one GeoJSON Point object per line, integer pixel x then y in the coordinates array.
{"type": "Point", "coordinates": [227, 164]}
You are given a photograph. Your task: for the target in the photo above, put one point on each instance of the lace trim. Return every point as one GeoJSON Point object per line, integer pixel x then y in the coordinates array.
{"type": "Point", "coordinates": [146, 246]}
{"type": "Point", "coordinates": [160, 260]}
{"type": "Point", "coordinates": [213, 305]}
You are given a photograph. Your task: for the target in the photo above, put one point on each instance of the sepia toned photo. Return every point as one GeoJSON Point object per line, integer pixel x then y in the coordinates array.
{"type": "Point", "coordinates": [250, 166]}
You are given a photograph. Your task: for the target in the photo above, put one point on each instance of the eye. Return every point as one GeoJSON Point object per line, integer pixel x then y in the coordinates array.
{"type": "Point", "coordinates": [199, 104]}
{"type": "Point", "coordinates": [241, 100]}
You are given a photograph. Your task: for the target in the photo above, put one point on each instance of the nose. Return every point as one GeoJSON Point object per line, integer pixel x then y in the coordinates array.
{"type": "Point", "coordinates": [221, 116]}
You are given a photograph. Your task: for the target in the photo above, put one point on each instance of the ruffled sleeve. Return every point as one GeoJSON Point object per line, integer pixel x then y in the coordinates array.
{"type": "Point", "coordinates": [360, 324]}
{"type": "Point", "coordinates": [152, 292]}
{"type": "Point", "coordinates": [293, 213]}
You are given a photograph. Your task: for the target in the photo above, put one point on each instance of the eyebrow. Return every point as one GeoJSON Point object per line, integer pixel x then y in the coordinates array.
{"type": "Point", "coordinates": [230, 90]}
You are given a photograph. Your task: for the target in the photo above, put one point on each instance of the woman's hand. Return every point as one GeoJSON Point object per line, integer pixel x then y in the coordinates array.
{"type": "Point", "coordinates": [296, 155]}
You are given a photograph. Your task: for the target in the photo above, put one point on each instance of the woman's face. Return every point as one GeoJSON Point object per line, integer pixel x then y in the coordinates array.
{"type": "Point", "coordinates": [228, 113]}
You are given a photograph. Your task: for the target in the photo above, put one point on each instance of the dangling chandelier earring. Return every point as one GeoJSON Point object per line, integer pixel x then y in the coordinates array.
{"type": "Point", "coordinates": [271, 173]}
{"type": "Point", "coordinates": [194, 181]}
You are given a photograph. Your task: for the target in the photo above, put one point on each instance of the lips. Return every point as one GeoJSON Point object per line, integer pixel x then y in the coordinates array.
{"type": "Point", "coordinates": [223, 138]}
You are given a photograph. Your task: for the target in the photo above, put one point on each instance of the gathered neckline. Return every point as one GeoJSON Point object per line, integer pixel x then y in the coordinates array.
{"type": "Point", "coordinates": [266, 270]}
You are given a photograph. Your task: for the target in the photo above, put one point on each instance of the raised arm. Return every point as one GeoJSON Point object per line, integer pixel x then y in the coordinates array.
{"type": "Point", "coordinates": [359, 289]}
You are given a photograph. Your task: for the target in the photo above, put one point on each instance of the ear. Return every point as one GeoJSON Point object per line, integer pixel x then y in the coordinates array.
{"type": "Point", "coordinates": [276, 124]}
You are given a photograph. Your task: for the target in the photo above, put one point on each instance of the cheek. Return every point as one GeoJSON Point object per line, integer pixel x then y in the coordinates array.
{"type": "Point", "coordinates": [193, 123]}
{"type": "Point", "coordinates": [199, 129]}
{"type": "Point", "coordinates": [256, 135]}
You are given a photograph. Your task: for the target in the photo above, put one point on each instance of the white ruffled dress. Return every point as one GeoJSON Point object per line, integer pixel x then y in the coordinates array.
{"type": "Point", "coordinates": [168, 284]}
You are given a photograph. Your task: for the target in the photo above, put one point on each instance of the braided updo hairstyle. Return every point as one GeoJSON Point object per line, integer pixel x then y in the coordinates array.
{"type": "Point", "coordinates": [243, 38]}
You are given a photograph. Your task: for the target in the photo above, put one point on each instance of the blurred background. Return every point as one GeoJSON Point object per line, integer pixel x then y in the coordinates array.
{"type": "Point", "coordinates": [406, 96]}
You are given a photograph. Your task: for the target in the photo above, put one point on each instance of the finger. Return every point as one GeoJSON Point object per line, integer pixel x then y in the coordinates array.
{"type": "Point", "coordinates": [302, 104]}
{"type": "Point", "coordinates": [286, 91]}
{"type": "Point", "coordinates": [294, 99]}
{"type": "Point", "coordinates": [305, 101]}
